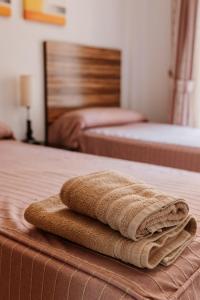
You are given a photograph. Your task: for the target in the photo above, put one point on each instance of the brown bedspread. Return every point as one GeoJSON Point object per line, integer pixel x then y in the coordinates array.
{"type": "Point", "coordinates": [160, 144]}
{"type": "Point", "coordinates": [37, 265]}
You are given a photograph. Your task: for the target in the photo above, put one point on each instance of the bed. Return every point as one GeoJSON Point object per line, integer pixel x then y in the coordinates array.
{"type": "Point", "coordinates": [153, 143]}
{"type": "Point", "coordinates": [38, 265]}
{"type": "Point", "coordinates": [89, 78]}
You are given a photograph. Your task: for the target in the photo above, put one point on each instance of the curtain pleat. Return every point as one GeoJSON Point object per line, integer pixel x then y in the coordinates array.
{"type": "Point", "coordinates": [184, 21]}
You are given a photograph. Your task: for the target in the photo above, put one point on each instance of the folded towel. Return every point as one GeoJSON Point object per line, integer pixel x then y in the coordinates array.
{"type": "Point", "coordinates": [134, 209]}
{"type": "Point", "coordinates": [53, 216]}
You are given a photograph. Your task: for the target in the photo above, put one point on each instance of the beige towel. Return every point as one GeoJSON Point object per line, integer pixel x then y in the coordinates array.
{"type": "Point", "coordinates": [134, 209]}
{"type": "Point", "coordinates": [53, 216]}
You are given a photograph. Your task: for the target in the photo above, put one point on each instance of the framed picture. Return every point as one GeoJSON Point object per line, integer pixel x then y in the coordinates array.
{"type": "Point", "coordinates": [5, 8]}
{"type": "Point", "coordinates": [47, 11]}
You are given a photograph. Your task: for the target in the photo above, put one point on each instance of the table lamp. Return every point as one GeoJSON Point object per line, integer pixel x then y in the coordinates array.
{"type": "Point", "coordinates": [25, 101]}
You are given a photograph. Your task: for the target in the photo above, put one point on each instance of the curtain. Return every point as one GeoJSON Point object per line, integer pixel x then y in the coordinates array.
{"type": "Point", "coordinates": [184, 25]}
{"type": "Point", "coordinates": [197, 74]}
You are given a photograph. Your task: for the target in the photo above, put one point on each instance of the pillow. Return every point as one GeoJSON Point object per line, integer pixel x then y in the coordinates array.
{"type": "Point", "coordinates": [99, 117]}
{"type": "Point", "coordinates": [5, 132]}
{"type": "Point", "coordinates": [66, 130]}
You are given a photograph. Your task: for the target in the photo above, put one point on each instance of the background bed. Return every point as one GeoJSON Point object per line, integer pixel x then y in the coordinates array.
{"type": "Point", "coordinates": [78, 77]}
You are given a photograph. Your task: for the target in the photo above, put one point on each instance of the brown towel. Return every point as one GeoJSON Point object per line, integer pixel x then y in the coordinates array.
{"type": "Point", "coordinates": [134, 209]}
{"type": "Point", "coordinates": [53, 216]}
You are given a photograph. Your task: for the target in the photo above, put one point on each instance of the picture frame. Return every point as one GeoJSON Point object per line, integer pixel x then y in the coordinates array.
{"type": "Point", "coordinates": [46, 11]}
{"type": "Point", "coordinates": [5, 8]}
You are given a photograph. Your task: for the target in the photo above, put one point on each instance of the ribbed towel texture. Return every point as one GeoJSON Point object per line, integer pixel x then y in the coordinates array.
{"type": "Point", "coordinates": [134, 209]}
{"type": "Point", "coordinates": [114, 215]}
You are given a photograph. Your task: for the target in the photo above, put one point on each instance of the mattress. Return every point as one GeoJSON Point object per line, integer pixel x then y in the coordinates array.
{"type": "Point", "coordinates": [38, 265]}
{"type": "Point", "coordinates": [159, 144]}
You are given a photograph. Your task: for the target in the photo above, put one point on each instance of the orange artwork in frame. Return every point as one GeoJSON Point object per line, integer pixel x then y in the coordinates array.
{"type": "Point", "coordinates": [5, 8]}
{"type": "Point", "coordinates": [46, 11]}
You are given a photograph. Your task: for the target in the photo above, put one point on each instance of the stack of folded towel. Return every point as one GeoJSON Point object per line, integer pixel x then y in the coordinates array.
{"type": "Point", "coordinates": [114, 215]}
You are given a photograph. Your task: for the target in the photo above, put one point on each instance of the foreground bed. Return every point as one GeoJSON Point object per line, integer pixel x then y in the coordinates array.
{"type": "Point", "coordinates": [37, 265]}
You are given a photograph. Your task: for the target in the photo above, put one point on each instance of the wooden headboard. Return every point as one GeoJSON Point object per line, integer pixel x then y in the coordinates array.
{"type": "Point", "coordinates": [79, 76]}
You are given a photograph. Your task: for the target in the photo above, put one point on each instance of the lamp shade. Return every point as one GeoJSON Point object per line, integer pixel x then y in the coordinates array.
{"type": "Point", "coordinates": [25, 90]}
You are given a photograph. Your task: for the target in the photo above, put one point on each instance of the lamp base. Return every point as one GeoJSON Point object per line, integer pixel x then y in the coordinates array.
{"type": "Point", "coordinates": [29, 134]}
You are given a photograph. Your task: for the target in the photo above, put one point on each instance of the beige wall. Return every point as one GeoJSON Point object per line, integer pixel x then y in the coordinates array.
{"type": "Point", "coordinates": [95, 22]}
{"type": "Point", "coordinates": [148, 42]}
{"type": "Point", "coordinates": [139, 28]}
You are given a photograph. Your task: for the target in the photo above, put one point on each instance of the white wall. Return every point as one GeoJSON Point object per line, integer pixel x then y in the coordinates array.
{"type": "Point", "coordinates": [93, 22]}
{"type": "Point", "coordinates": [140, 27]}
{"type": "Point", "coordinates": [148, 42]}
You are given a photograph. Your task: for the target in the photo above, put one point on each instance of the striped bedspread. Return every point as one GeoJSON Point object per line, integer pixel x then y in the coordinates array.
{"type": "Point", "coordinates": [37, 265]}
{"type": "Point", "coordinates": [159, 144]}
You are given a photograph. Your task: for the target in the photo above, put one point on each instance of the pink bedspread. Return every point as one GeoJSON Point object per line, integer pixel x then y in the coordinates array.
{"type": "Point", "coordinates": [36, 265]}
{"type": "Point", "coordinates": [159, 144]}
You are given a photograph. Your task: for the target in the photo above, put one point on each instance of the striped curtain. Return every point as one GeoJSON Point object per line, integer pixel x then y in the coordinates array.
{"type": "Point", "coordinates": [184, 21]}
